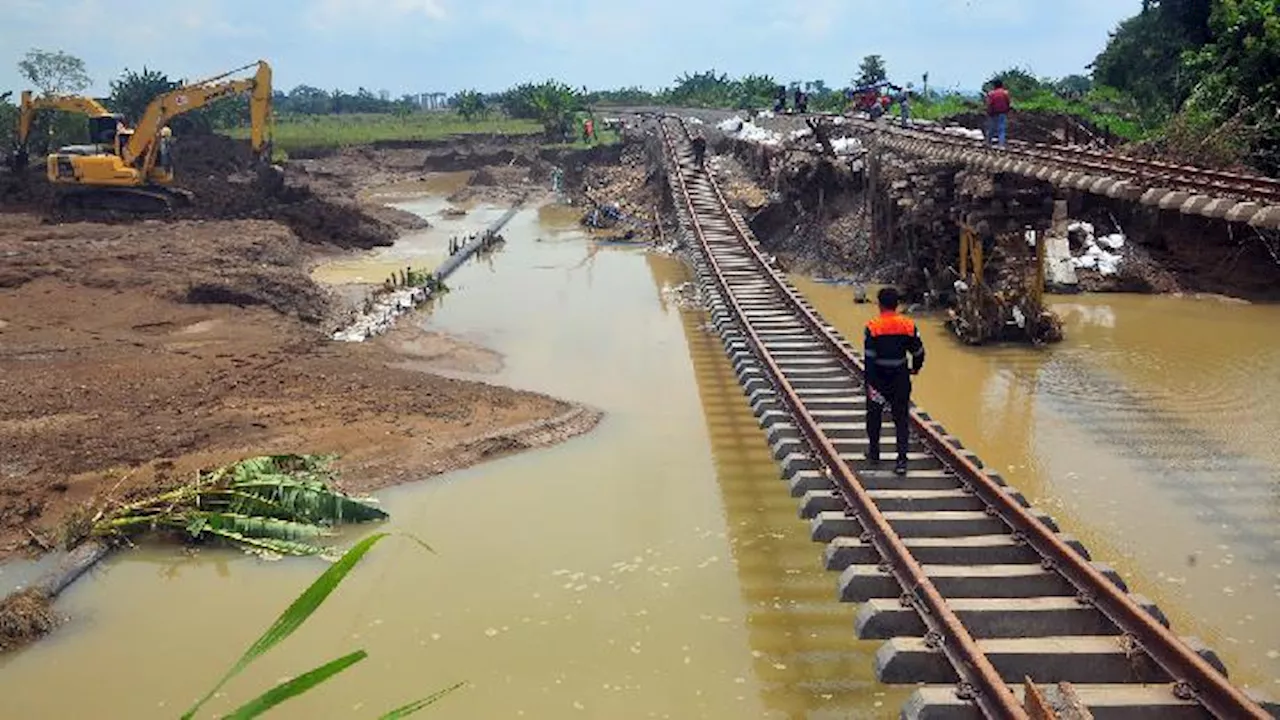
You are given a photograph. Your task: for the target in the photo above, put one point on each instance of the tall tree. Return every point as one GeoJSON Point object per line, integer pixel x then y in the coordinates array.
{"type": "Point", "coordinates": [1143, 57]}
{"type": "Point", "coordinates": [133, 91]}
{"type": "Point", "coordinates": [54, 72]}
{"type": "Point", "coordinates": [872, 70]}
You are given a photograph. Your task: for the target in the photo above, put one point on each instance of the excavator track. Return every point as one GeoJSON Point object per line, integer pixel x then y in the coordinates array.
{"type": "Point", "coordinates": [89, 201]}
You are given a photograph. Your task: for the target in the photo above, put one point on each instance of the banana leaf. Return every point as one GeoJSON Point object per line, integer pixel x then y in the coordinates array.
{"type": "Point", "coordinates": [262, 527]}
{"type": "Point", "coordinates": [289, 465]}
{"type": "Point", "coordinates": [265, 544]}
{"type": "Point", "coordinates": [276, 503]}
{"type": "Point", "coordinates": [311, 502]}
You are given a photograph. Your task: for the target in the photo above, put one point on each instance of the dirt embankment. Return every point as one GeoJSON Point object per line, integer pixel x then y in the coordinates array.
{"type": "Point", "coordinates": [897, 219]}
{"type": "Point", "coordinates": [218, 171]}
{"type": "Point", "coordinates": [134, 352]}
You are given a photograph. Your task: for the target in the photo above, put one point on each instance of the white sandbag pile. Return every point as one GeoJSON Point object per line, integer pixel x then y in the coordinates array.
{"type": "Point", "coordinates": [1097, 251]}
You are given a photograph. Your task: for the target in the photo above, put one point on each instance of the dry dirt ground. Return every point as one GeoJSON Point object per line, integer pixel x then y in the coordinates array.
{"type": "Point", "coordinates": [133, 353]}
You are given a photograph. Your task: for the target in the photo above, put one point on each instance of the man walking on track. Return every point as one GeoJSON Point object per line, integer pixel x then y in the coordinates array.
{"type": "Point", "coordinates": [887, 341]}
{"type": "Point", "coordinates": [998, 106]}
{"type": "Point", "coordinates": [699, 149]}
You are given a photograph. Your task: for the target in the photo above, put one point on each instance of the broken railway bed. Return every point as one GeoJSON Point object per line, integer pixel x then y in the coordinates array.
{"type": "Point", "coordinates": [978, 597]}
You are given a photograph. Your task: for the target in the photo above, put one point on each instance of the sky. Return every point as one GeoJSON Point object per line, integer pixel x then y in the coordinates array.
{"type": "Point", "coordinates": [413, 46]}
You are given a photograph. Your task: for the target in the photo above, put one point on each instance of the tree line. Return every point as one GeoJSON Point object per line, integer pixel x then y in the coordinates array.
{"type": "Point", "coordinates": [1201, 78]}
{"type": "Point", "coordinates": [1206, 73]}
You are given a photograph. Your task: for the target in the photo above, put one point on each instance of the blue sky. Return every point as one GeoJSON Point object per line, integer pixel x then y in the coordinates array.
{"type": "Point", "coordinates": [423, 45]}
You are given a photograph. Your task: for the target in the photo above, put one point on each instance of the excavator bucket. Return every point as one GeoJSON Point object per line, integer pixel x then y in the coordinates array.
{"type": "Point", "coordinates": [270, 178]}
{"type": "Point", "coordinates": [18, 161]}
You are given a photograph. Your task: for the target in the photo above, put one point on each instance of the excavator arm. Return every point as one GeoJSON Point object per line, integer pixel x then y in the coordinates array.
{"type": "Point", "coordinates": [142, 148]}
{"type": "Point", "coordinates": [101, 120]}
{"type": "Point", "coordinates": [71, 103]}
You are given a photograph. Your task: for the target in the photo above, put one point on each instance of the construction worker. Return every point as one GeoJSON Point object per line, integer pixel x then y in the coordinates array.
{"type": "Point", "coordinates": [998, 106]}
{"type": "Point", "coordinates": [887, 341]}
{"type": "Point", "coordinates": [699, 149]}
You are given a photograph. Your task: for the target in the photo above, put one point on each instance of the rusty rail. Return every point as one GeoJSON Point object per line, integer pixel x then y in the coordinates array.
{"type": "Point", "coordinates": [973, 667]}
{"type": "Point", "coordinates": [1148, 172]}
{"type": "Point", "coordinates": [1193, 676]}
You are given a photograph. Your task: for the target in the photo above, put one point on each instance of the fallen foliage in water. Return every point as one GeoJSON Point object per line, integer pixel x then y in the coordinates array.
{"type": "Point", "coordinates": [271, 505]}
{"type": "Point", "coordinates": [24, 616]}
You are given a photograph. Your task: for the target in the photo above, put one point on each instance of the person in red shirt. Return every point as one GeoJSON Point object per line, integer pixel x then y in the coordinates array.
{"type": "Point", "coordinates": [998, 106]}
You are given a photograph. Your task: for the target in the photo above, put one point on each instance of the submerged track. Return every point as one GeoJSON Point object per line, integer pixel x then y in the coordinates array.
{"type": "Point", "coordinates": [973, 591]}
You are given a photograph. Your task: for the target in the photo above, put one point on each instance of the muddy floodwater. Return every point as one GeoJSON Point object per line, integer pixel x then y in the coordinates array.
{"type": "Point", "coordinates": [1150, 433]}
{"type": "Point", "coordinates": [655, 568]}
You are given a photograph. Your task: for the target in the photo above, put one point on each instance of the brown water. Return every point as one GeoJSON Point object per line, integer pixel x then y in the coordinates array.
{"type": "Point", "coordinates": [655, 567]}
{"type": "Point", "coordinates": [594, 579]}
{"type": "Point", "coordinates": [1150, 433]}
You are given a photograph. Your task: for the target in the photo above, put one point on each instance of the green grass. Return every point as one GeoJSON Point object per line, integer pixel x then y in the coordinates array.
{"type": "Point", "coordinates": [603, 137]}
{"type": "Point", "coordinates": [332, 131]}
{"type": "Point", "coordinates": [944, 106]}
{"type": "Point", "coordinates": [937, 107]}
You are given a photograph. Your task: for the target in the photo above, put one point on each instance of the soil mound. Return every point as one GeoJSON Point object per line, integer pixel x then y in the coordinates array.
{"type": "Point", "coordinates": [218, 170]}
{"type": "Point", "coordinates": [1039, 127]}
{"type": "Point", "coordinates": [241, 262]}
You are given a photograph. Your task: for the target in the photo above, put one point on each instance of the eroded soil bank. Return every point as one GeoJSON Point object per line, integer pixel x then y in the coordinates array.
{"type": "Point", "coordinates": [133, 352]}
{"type": "Point", "coordinates": [875, 215]}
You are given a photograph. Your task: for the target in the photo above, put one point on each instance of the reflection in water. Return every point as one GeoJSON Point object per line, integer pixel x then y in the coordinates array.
{"type": "Point", "coordinates": [809, 661]}
{"type": "Point", "coordinates": [594, 579]}
{"type": "Point", "coordinates": [1149, 434]}
{"type": "Point", "coordinates": [420, 250]}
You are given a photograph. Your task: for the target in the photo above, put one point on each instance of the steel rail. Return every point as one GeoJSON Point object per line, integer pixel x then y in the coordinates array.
{"type": "Point", "coordinates": [1184, 177]}
{"type": "Point", "coordinates": [972, 666]}
{"type": "Point", "coordinates": [1192, 673]}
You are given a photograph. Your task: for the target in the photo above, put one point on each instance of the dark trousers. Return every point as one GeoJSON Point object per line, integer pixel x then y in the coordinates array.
{"type": "Point", "coordinates": [895, 388]}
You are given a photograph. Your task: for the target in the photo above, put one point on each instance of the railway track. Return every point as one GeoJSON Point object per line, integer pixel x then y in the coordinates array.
{"type": "Point", "coordinates": [976, 595]}
{"type": "Point", "coordinates": [1215, 194]}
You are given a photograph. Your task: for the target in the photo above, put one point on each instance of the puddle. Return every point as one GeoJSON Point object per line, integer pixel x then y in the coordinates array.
{"type": "Point", "coordinates": [440, 185]}
{"type": "Point", "coordinates": [445, 354]}
{"type": "Point", "coordinates": [422, 250]}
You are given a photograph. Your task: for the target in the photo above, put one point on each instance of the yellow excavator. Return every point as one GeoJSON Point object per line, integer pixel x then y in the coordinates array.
{"type": "Point", "coordinates": [131, 169]}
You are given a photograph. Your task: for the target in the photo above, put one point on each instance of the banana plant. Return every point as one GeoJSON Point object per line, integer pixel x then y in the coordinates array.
{"type": "Point", "coordinates": [270, 505]}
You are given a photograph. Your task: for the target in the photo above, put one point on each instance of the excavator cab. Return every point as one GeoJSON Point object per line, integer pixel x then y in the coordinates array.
{"type": "Point", "coordinates": [104, 128]}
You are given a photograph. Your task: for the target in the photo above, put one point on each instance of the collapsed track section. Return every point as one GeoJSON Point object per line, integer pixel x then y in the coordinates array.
{"type": "Point", "coordinates": [976, 594]}
{"type": "Point", "coordinates": [1190, 190]}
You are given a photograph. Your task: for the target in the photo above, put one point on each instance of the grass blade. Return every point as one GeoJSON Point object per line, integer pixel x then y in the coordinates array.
{"type": "Point", "coordinates": [292, 688]}
{"type": "Point", "coordinates": [417, 705]}
{"type": "Point", "coordinates": [295, 614]}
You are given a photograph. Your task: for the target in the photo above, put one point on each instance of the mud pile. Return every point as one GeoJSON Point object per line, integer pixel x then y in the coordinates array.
{"type": "Point", "coordinates": [1041, 127]}
{"type": "Point", "coordinates": [241, 262]}
{"type": "Point", "coordinates": [218, 170]}
{"type": "Point", "coordinates": [628, 186]}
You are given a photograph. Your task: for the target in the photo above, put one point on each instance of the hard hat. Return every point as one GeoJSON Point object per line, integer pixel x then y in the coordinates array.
{"type": "Point", "coordinates": [165, 131]}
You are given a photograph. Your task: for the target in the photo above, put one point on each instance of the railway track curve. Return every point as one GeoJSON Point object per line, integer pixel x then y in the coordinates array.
{"type": "Point", "coordinates": [977, 595]}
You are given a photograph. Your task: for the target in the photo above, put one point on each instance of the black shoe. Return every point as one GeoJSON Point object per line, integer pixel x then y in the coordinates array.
{"type": "Point", "coordinates": [901, 467]}
{"type": "Point", "coordinates": [873, 457]}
